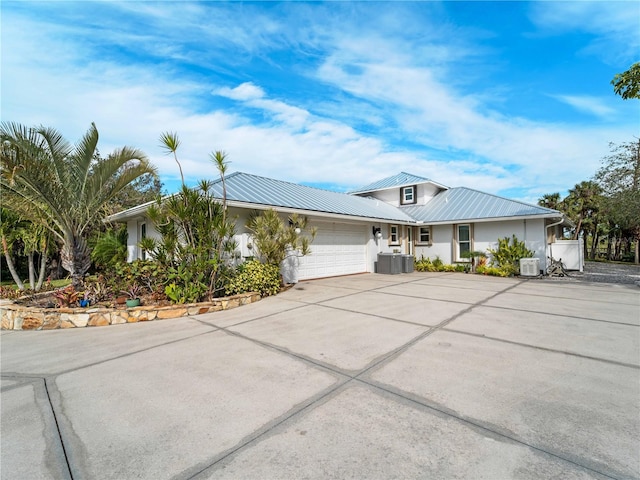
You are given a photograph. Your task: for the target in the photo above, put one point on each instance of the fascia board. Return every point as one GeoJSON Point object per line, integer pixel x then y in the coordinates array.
{"type": "Point", "coordinates": [141, 210]}
{"type": "Point", "coordinates": [491, 219]}
{"type": "Point", "coordinates": [315, 213]}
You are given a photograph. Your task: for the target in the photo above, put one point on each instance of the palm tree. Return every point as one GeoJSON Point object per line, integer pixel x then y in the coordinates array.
{"type": "Point", "coordinates": [42, 174]}
{"type": "Point", "coordinates": [583, 203]}
{"type": "Point", "coordinates": [550, 200]}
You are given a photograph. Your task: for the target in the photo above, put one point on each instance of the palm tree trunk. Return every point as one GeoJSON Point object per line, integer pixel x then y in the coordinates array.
{"type": "Point", "coordinates": [12, 268]}
{"type": "Point", "coordinates": [43, 269]}
{"type": "Point", "coordinates": [595, 239]}
{"type": "Point", "coordinates": [578, 227]}
{"type": "Point", "coordinates": [32, 271]}
{"type": "Point", "coordinates": [76, 259]}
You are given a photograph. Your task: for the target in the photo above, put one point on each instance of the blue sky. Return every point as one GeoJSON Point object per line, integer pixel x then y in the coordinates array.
{"type": "Point", "coordinates": [511, 98]}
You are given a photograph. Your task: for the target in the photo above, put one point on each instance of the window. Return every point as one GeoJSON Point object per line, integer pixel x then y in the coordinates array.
{"type": "Point", "coordinates": [424, 235]}
{"type": "Point", "coordinates": [143, 235]}
{"type": "Point", "coordinates": [463, 233]}
{"type": "Point", "coordinates": [394, 237]}
{"type": "Point", "coordinates": [408, 195]}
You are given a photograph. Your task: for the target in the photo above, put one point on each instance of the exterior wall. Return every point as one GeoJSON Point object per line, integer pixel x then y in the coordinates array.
{"type": "Point", "coordinates": [532, 232]}
{"type": "Point", "coordinates": [133, 237]}
{"type": "Point", "coordinates": [426, 192]}
{"type": "Point", "coordinates": [485, 235]}
{"type": "Point", "coordinates": [391, 196]}
{"type": "Point", "coordinates": [132, 240]}
{"type": "Point", "coordinates": [441, 244]}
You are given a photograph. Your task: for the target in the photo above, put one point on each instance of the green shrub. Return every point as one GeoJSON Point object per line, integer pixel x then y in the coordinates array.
{"type": "Point", "coordinates": [110, 248]}
{"type": "Point", "coordinates": [149, 274]}
{"type": "Point", "coordinates": [253, 276]}
{"type": "Point", "coordinates": [436, 265]}
{"type": "Point", "coordinates": [508, 254]}
{"type": "Point", "coordinates": [188, 293]}
{"type": "Point", "coordinates": [424, 265]}
{"type": "Point", "coordinates": [494, 271]}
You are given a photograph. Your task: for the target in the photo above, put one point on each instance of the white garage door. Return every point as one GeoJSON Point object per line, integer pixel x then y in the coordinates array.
{"type": "Point", "coordinates": [338, 249]}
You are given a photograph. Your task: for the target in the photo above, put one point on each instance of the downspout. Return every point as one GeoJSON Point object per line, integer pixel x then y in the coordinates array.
{"type": "Point", "coordinates": [550, 243]}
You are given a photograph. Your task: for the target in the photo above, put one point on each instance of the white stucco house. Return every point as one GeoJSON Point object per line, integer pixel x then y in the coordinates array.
{"type": "Point", "coordinates": [404, 213]}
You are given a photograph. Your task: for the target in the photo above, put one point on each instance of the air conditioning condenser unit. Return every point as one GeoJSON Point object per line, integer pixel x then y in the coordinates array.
{"type": "Point", "coordinates": [529, 267]}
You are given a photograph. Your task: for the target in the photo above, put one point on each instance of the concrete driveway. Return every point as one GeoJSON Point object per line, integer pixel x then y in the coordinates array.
{"type": "Point", "coordinates": [423, 375]}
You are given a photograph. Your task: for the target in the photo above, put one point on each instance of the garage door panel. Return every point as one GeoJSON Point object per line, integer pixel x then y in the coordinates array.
{"type": "Point", "coordinates": [338, 249]}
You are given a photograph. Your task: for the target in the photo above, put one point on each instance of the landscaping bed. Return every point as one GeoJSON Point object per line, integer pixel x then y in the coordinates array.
{"type": "Point", "coordinates": [36, 316]}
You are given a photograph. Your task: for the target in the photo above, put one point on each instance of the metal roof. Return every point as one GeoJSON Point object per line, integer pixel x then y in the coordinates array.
{"type": "Point", "coordinates": [453, 205]}
{"type": "Point", "coordinates": [400, 180]}
{"type": "Point", "coordinates": [460, 203]}
{"type": "Point", "coordinates": [253, 189]}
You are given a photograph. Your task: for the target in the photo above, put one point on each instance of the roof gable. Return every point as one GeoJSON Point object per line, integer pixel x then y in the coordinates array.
{"type": "Point", "coordinates": [402, 179]}
{"type": "Point", "coordinates": [465, 204]}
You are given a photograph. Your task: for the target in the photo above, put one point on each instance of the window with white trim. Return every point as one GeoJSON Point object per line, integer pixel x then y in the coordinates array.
{"type": "Point", "coordinates": [408, 195]}
{"type": "Point", "coordinates": [394, 235]}
{"type": "Point", "coordinates": [424, 235]}
{"type": "Point", "coordinates": [463, 235]}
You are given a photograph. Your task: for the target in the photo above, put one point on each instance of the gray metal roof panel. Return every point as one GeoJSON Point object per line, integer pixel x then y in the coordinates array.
{"type": "Point", "coordinates": [247, 188]}
{"type": "Point", "coordinates": [462, 203]}
{"type": "Point", "coordinates": [400, 180]}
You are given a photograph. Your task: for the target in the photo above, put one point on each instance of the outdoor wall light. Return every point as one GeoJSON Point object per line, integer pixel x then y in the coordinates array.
{"type": "Point", "coordinates": [377, 232]}
{"type": "Point", "coordinates": [297, 229]}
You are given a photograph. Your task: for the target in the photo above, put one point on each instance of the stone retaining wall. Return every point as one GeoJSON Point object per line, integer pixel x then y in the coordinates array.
{"type": "Point", "coordinates": [20, 317]}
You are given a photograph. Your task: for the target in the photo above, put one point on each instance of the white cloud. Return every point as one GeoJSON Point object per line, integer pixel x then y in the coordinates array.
{"type": "Point", "coordinates": [592, 105]}
{"type": "Point", "coordinates": [456, 138]}
{"type": "Point", "coordinates": [246, 91]}
{"type": "Point", "coordinates": [614, 25]}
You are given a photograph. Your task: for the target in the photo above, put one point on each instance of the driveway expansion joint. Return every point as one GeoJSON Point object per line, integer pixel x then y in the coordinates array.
{"type": "Point", "coordinates": [60, 436]}
{"type": "Point", "coordinates": [486, 428]}
{"type": "Point", "coordinates": [544, 349]}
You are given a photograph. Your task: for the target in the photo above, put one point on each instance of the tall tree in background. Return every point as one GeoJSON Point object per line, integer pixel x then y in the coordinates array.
{"type": "Point", "coordinates": [551, 200]}
{"type": "Point", "coordinates": [63, 184]}
{"type": "Point", "coordinates": [627, 84]}
{"type": "Point", "coordinates": [146, 188]}
{"type": "Point", "coordinates": [582, 205]}
{"type": "Point", "coordinates": [619, 178]}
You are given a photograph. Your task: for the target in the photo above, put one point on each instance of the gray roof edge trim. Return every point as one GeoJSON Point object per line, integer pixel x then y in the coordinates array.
{"type": "Point", "coordinates": [493, 219]}
{"type": "Point", "coordinates": [129, 213]}
{"type": "Point", "coordinates": [316, 213]}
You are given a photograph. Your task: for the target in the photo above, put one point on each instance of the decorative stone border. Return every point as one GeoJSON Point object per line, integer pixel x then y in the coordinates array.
{"type": "Point", "coordinates": [20, 317]}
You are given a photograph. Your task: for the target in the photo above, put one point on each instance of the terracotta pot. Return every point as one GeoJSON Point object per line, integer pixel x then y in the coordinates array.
{"type": "Point", "coordinates": [121, 300]}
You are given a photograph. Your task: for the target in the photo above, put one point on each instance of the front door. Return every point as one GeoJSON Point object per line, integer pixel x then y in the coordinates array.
{"type": "Point", "coordinates": [409, 246]}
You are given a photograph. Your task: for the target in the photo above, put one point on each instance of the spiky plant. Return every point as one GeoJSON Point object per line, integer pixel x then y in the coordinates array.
{"type": "Point", "coordinates": [66, 185]}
